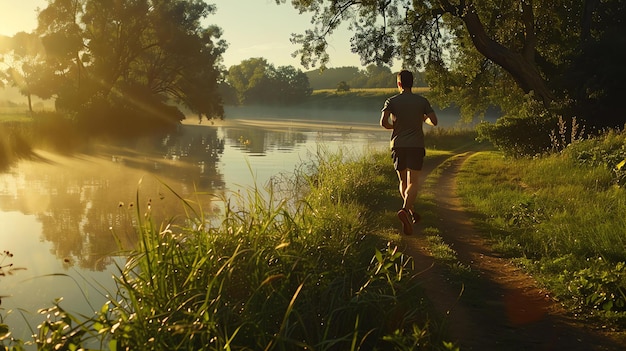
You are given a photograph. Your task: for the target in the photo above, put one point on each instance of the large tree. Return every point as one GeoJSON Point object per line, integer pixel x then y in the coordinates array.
{"type": "Point", "coordinates": [482, 52]}
{"type": "Point", "coordinates": [120, 61]}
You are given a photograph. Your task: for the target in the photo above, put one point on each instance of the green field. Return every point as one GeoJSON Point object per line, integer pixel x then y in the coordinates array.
{"type": "Point", "coordinates": [368, 99]}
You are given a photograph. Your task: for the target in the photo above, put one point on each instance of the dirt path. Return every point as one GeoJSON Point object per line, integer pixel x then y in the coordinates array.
{"type": "Point", "coordinates": [501, 310]}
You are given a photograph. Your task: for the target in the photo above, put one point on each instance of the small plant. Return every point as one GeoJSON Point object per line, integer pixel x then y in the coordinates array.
{"type": "Point", "coordinates": [600, 286]}
{"type": "Point", "coordinates": [5, 331]}
{"type": "Point", "coordinates": [607, 150]}
{"type": "Point", "coordinates": [5, 268]}
{"type": "Point", "coordinates": [560, 138]}
{"type": "Point", "coordinates": [524, 214]}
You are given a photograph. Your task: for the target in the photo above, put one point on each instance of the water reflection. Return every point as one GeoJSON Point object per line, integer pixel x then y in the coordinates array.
{"type": "Point", "coordinates": [66, 214]}
{"type": "Point", "coordinates": [258, 141]}
{"type": "Point", "coordinates": [86, 204]}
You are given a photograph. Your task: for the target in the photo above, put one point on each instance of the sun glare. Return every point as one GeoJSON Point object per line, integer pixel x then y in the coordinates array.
{"type": "Point", "coordinates": [18, 16]}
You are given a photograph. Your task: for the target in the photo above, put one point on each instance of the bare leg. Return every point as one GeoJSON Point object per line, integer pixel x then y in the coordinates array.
{"type": "Point", "coordinates": [402, 176]}
{"type": "Point", "coordinates": [410, 193]}
{"type": "Point", "coordinates": [408, 187]}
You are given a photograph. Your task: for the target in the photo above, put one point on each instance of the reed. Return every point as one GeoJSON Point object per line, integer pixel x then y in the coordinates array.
{"type": "Point", "coordinates": [275, 273]}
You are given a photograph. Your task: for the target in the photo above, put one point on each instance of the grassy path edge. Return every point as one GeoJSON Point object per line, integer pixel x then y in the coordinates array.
{"type": "Point", "coordinates": [499, 306]}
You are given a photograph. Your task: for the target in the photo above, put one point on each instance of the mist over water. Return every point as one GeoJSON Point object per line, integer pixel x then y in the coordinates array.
{"type": "Point", "coordinates": [64, 216]}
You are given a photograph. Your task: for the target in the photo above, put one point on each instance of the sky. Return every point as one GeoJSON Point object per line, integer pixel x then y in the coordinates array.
{"type": "Point", "coordinates": [252, 28]}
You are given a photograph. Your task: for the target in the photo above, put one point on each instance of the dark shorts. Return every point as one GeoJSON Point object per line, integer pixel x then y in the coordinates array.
{"type": "Point", "coordinates": [408, 157]}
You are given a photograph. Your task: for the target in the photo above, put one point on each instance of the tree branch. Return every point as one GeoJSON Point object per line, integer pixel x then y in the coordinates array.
{"type": "Point", "coordinates": [530, 42]}
{"type": "Point", "coordinates": [523, 71]}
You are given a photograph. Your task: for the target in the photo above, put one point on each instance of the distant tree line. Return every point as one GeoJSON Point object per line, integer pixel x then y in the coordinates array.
{"type": "Point", "coordinates": [255, 81]}
{"type": "Point", "coordinates": [373, 76]}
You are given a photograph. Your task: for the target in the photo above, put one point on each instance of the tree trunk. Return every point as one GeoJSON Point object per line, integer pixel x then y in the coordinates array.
{"type": "Point", "coordinates": [30, 104]}
{"type": "Point", "coordinates": [521, 67]}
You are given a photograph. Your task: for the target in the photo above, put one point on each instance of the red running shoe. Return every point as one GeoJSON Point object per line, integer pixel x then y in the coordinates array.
{"type": "Point", "coordinates": [407, 223]}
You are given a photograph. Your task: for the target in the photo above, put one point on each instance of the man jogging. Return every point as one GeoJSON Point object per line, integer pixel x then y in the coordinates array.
{"type": "Point", "coordinates": [405, 114]}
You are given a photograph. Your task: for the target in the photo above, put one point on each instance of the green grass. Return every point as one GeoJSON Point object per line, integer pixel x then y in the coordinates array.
{"type": "Point", "coordinates": [314, 265]}
{"type": "Point", "coordinates": [362, 99]}
{"type": "Point", "coordinates": [6, 116]}
{"type": "Point", "coordinates": [560, 216]}
{"type": "Point", "coordinates": [277, 273]}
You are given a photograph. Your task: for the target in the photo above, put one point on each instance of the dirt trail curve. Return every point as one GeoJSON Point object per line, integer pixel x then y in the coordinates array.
{"type": "Point", "coordinates": [501, 310]}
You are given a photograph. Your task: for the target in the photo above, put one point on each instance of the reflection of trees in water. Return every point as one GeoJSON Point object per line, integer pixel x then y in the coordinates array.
{"type": "Point", "coordinates": [83, 222]}
{"type": "Point", "coordinates": [92, 203]}
{"type": "Point", "coordinates": [197, 146]}
{"type": "Point", "coordinates": [258, 140]}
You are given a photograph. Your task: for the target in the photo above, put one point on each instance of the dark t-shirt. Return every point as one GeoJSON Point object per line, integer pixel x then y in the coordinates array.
{"type": "Point", "coordinates": [409, 110]}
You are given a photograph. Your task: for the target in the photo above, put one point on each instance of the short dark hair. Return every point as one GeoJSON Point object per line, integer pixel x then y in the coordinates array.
{"type": "Point", "coordinates": [406, 79]}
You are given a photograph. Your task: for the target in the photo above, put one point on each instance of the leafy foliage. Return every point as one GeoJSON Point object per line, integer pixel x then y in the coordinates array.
{"type": "Point", "coordinates": [526, 133]}
{"type": "Point", "coordinates": [373, 76]}
{"type": "Point", "coordinates": [607, 150]}
{"type": "Point", "coordinates": [26, 52]}
{"type": "Point", "coordinates": [126, 63]}
{"type": "Point", "coordinates": [479, 54]}
{"type": "Point", "coordinates": [343, 86]}
{"type": "Point", "coordinates": [600, 286]}
{"type": "Point", "coordinates": [257, 81]}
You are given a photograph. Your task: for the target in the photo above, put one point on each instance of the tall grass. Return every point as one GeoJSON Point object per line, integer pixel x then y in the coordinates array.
{"type": "Point", "coordinates": [275, 274]}
{"type": "Point", "coordinates": [563, 216]}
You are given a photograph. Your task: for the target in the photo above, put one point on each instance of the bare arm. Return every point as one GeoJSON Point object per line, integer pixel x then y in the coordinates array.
{"type": "Point", "coordinates": [384, 120]}
{"type": "Point", "coordinates": [431, 119]}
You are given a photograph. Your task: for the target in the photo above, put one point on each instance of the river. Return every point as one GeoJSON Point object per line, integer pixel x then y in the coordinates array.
{"type": "Point", "coordinates": [65, 216]}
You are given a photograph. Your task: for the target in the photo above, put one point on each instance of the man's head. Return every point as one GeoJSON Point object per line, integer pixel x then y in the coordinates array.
{"type": "Point", "coordinates": [405, 79]}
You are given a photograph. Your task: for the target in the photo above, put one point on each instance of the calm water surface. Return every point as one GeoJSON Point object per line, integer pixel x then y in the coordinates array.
{"type": "Point", "coordinates": [62, 216]}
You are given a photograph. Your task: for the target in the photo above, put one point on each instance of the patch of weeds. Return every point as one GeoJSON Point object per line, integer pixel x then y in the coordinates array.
{"type": "Point", "coordinates": [443, 253]}
{"type": "Point", "coordinates": [509, 246]}
{"type": "Point", "coordinates": [599, 287]}
{"type": "Point", "coordinates": [524, 214]}
{"type": "Point", "coordinates": [440, 250]}
{"type": "Point", "coordinates": [415, 339]}
{"type": "Point", "coordinates": [430, 231]}
{"type": "Point", "coordinates": [388, 234]}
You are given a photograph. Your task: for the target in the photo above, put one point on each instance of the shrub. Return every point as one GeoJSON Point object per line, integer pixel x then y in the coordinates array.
{"type": "Point", "coordinates": [532, 131]}
{"type": "Point", "coordinates": [343, 86]}
{"type": "Point", "coordinates": [519, 136]}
